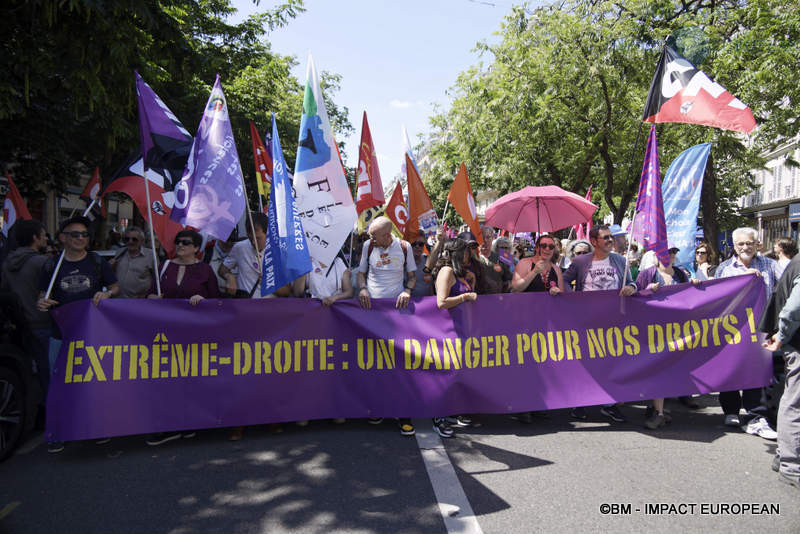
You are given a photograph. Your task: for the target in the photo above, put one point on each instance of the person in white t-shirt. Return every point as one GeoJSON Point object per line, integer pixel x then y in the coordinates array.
{"type": "Point", "coordinates": [328, 283]}
{"type": "Point", "coordinates": [385, 262]}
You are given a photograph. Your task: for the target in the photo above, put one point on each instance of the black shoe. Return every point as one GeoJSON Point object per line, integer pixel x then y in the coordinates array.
{"type": "Point", "coordinates": [375, 420]}
{"type": "Point", "coordinates": [406, 427]}
{"type": "Point", "coordinates": [459, 421]}
{"type": "Point", "coordinates": [162, 437]}
{"type": "Point", "coordinates": [613, 413]}
{"type": "Point", "coordinates": [442, 428]}
{"type": "Point", "coordinates": [102, 441]}
{"type": "Point", "coordinates": [55, 446]}
{"type": "Point", "coordinates": [688, 402]}
{"type": "Point", "coordinates": [523, 417]}
{"type": "Point", "coordinates": [578, 413]}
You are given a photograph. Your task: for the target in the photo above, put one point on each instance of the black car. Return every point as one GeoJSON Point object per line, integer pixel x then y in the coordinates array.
{"type": "Point", "coordinates": [20, 392]}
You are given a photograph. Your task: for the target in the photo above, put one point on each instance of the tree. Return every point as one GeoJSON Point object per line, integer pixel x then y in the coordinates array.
{"type": "Point", "coordinates": [68, 101]}
{"type": "Point", "coordinates": [561, 101]}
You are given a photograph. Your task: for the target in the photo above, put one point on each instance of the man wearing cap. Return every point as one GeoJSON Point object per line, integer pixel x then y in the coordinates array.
{"type": "Point", "coordinates": [599, 271]}
{"type": "Point", "coordinates": [82, 275]}
{"type": "Point", "coordinates": [497, 275]}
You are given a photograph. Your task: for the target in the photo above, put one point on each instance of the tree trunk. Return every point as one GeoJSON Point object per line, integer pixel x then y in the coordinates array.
{"type": "Point", "coordinates": [708, 203]}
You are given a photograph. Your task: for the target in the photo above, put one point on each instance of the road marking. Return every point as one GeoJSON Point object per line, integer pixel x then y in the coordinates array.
{"type": "Point", "coordinates": [31, 444]}
{"type": "Point", "coordinates": [453, 503]}
{"type": "Point", "coordinates": [7, 509]}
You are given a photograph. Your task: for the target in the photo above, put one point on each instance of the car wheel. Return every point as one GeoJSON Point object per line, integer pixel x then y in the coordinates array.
{"type": "Point", "coordinates": [12, 411]}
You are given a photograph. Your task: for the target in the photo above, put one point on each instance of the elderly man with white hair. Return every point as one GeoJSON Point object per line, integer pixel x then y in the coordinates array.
{"type": "Point", "coordinates": [746, 260]}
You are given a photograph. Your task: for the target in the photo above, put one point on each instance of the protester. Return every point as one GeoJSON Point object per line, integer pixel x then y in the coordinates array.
{"type": "Point", "coordinates": [425, 263]}
{"type": "Point", "coordinates": [133, 265]}
{"type": "Point", "coordinates": [83, 275]}
{"type": "Point", "coordinates": [241, 268]}
{"type": "Point", "coordinates": [705, 261]}
{"type": "Point", "coordinates": [474, 265]}
{"type": "Point", "coordinates": [186, 277]}
{"type": "Point", "coordinates": [578, 247]}
{"type": "Point", "coordinates": [384, 260]}
{"type": "Point", "coordinates": [455, 285]}
{"type": "Point", "coordinates": [601, 270]}
{"type": "Point", "coordinates": [540, 272]}
{"type": "Point", "coordinates": [519, 253]}
{"type": "Point", "coordinates": [327, 283]}
{"type": "Point", "coordinates": [782, 319]}
{"type": "Point", "coordinates": [385, 263]}
{"type": "Point", "coordinates": [651, 279]}
{"type": "Point", "coordinates": [496, 274]}
{"type": "Point", "coordinates": [216, 256]}
{"type": "Point", "coordinates": [560, 255]}
{"type": "Point", "coordinates": [746, 261]}
{"type": "Point", "coordinates": [21, 271]}
{"type": "Point", "coordinates": [785, 248]}
{"type": "Point", "coordinates": [620, 239]}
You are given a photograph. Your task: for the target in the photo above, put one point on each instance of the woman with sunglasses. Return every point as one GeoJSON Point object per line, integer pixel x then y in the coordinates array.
{"type": "Point", "coordinates": [704, 260]}
{"type": "Point", "coordinates": [185, 276]}
{"type": "Point", "coordinates": [541, 271]}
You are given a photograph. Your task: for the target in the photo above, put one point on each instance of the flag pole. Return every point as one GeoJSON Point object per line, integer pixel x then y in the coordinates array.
{"type": "Point", "coordinates": [150, 225]}
{"type": "Point", "coordinates": [446, 205]}
{"type": "Point", "coordinates": [61, 257]}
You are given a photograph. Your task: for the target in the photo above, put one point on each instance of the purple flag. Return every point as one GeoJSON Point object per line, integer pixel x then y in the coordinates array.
{"type": "Point", "coordinates": [165, 142]}
{"type": "Point", "coordinates": [210, 196]}
{"type": "Point", "coordinates": [649, 227]}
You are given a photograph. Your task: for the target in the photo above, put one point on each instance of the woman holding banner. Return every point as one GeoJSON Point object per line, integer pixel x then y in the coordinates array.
{"type": "Point", "coordinates": [185, 276]}
{"type": "Point", "coordinates": [539, 272]}
{"type": "Point", "coordinates": [454, 286]}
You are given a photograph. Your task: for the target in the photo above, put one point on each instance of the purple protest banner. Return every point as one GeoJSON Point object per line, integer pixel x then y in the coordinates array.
{"type": "Point", "coordinates": [139, 366]}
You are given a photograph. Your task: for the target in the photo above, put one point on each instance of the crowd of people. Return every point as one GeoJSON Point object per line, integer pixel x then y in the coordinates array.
{"type": "Point", "coordinates": [379, 265]}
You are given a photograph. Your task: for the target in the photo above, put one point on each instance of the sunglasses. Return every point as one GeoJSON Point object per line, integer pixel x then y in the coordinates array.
{"type": "Point", "coordinates": [582, 252]}
{"type": "Point", "coordinates": [418, 244]}
{"type": "Point", "coordinates": [548, 246]}
{"type": "Point", "coordinates": [607, 238]}
{"type": "Point", "coordinates": [76, 234]}
{"type": "Point", "coordinates": [130, 239]}
{"type": "Point", "coordinates": [184, 242]}
{"type": "Point", "coordinates": [700, 252]}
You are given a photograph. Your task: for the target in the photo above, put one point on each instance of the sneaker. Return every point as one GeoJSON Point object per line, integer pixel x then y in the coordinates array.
{"type": "Point", "coordinates": [656, 421]}
{"type": "Point", "coordinates": [458, 420]}
{"type": "Point", "coordinates": [161, 438]}
{"type": "Point", "coordinates": [613, 413]}
{"type": "Point", "coordinates": [578, 413]}
{"type": "Point", "coordinates": [406, 428]}
{"type": "Point", "coordinates": [776, 463]}
{"type": "Point", "coordinates": [442, 428]}
{"type": "Point", "coordinates": [789, 479]}
{"type": "Point", "coordinates": [523, 417]}
{"type": "Point", "coordinates": [55, 446]}
{"type": "Point", "coordinates": [375, 420]}
{"type": "Point", "coordinates": [236, 434]}
{"type": "Point", "coordinates": [102, 441]}
{"type": "Point", "coordinates": [339, 421]}
{"type": "Point", "coordinates": [304, 422]}
{"type": "Point", "coordinates": [732, 419]}
{"type": "Point", "coordinates": [759, 426]}
{"type": "Point", "coordinates": [188, 434]}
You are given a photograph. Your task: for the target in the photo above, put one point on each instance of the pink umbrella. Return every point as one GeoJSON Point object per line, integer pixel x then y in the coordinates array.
{"type": "Point", "coordinates": [539, 209]}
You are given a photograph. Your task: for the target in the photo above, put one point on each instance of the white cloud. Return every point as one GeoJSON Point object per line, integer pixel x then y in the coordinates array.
{"type": "Point", "coordinates": [401, 104]}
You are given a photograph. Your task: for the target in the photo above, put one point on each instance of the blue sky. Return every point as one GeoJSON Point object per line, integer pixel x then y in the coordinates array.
{"type": "Point", "coordinates": [397, 58]}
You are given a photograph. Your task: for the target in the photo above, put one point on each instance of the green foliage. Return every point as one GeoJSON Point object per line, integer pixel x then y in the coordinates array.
{"type": "Point", "coordinates": [68, 98]}
{"type": "Point", "coordinates": [560, 101]}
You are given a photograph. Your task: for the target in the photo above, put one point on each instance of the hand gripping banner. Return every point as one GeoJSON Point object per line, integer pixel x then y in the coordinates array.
{"type": "Point", "coordinates": [139, 366]}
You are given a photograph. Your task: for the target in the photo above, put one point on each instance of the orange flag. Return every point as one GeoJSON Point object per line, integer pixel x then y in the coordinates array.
{"type": "Point", "coordinates": [370, 188]}
{"type": "Point", "coordinates": [396, 209]}
{"type": "Point", "coordinates": [460, 197]}
{"type": "Point", "coordinates": [420, 209]}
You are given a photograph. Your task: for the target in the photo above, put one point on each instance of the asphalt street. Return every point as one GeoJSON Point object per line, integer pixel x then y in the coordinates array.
{"type": "Point", "coordinates": [554, 475]}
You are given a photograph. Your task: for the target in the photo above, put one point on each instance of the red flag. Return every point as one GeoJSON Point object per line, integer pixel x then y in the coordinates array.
{"type": "Point", "coordinates": [420, 209]}
{"type": "Point", "coordinates": [680, 92]}
{"type": "Point", "coordinates": [396, 209]}
{"type": "Point", "coordinates": [14, 207]}
{"type": "Point", "coordinates": [263, 161]}
{"type": "Point", "coordinates": [92, 188]}
{"type": "Point", "coordinates": [461, 198]}
{"type": "Point", "coordinates": [370, 187]}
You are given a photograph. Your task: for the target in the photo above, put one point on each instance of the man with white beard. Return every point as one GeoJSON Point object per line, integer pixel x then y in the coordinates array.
{"type": "Point", "coordinates": [745, 260]}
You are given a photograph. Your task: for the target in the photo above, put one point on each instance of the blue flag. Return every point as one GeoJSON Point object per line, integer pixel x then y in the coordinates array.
{"type": "Point", "coordinates": [649, 227]}
{"type": "Point", "coordinates": [681, 188]}
{"type": "Point", "coordinates": [286, 256]}
{"type": "Point", "coordinates": [210, 196]}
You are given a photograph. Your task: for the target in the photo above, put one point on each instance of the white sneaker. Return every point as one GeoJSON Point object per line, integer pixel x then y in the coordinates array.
{"type": "Point", "coordinates": [732, 420]}
{"type": "Point", "coordinates": [760, 427]}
